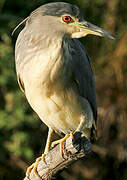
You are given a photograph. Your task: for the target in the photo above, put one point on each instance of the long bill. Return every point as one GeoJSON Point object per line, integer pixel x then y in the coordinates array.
{"type": "Point", "coordinates": [89, 28]}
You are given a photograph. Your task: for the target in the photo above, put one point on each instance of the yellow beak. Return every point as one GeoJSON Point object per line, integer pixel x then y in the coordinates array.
{"type": "Point", "coordinates": [85, 28]}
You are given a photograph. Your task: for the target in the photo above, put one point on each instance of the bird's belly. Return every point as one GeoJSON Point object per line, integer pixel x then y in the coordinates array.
{"type": "Point", "coordinates": [61, 112]}
{"type": "Point", "coordinates": [66, 116]}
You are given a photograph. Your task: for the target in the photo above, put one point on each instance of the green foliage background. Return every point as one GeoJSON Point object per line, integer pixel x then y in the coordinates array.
{"type": "Point", "coordinates": [23, 135]}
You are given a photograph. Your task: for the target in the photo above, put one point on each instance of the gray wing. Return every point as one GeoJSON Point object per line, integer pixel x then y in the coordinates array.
{"type": "Point", "coordinates": [83, 75]}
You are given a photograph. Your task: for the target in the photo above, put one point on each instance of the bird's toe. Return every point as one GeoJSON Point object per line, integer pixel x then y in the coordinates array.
{"type": "Point", "coordinates": [61, 142]}
{"type": "Point", "coordinates": [34, 167]}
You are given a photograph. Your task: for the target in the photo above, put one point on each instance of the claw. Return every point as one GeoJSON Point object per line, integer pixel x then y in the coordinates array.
{"type": "Point", "coordinates": [34, 166]}
{"type": "Point", "coordinates": [61, 142]}
{"type": "Point", "coordinates": [29, 169]}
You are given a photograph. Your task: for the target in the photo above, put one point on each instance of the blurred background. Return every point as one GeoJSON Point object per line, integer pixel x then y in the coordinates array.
{"type": "Point", "coordinates": [23, 135]}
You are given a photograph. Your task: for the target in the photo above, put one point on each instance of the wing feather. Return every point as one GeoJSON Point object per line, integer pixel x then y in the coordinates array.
{"type": "Point", "coordinates": [84, 75]}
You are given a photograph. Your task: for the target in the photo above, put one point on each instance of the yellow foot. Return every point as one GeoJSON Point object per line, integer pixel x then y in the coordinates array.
{"type": "Point", "coordinates": [34, 166]}
{"type": "Point", "coordinates": [61, 142]}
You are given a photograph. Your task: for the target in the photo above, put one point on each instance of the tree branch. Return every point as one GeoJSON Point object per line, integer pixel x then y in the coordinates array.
{"type": "Point", "coordinates": [73, 150]}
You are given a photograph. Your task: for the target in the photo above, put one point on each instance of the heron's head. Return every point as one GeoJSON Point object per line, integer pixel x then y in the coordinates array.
{"type": "Point", "coordinates": [62, 18]}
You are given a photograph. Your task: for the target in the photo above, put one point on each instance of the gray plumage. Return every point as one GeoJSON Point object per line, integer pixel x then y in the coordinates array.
{"type": "Point", "coordinates": [54, 70]}
{"type": "Point", "coordinates": [58, 9]}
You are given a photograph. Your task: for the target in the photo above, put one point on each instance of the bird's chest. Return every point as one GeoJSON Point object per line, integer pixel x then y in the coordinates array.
{"type": "Point", "coordinates": [49, 69]}
{"type": "Point", "coordinates": [49, 90]}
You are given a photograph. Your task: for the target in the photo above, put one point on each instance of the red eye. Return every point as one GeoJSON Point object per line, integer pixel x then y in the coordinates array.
{"type": "Point", "coordinates": [66, 19]}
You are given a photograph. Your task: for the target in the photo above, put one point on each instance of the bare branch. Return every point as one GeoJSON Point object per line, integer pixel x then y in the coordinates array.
{"type": "Point", "coordinates": [73, 150]}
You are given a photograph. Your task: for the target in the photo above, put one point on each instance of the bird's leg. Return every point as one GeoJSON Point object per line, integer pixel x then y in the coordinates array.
{"type": "Point", "coordinates": [84, 127]}
{"type": "Point", "coordinates": [47, 148]}
{"type": "Point", "coordinates": [48, 143]}
{"type": "Point", "coordinates": [81, 124]}
{"type": "Point", "coordinates": [61, 141]}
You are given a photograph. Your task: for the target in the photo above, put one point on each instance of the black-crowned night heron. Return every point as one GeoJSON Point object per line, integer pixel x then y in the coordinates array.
{"type": "Point", "coordinates": [54, 70]}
